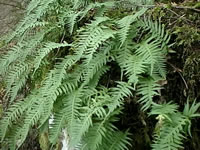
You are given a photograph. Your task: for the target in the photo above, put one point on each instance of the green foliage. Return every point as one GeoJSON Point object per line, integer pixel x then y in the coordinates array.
{"type": "Point", "coordinates": [173, 125]}
{"type": "Point", "coordinates": [71, 46]}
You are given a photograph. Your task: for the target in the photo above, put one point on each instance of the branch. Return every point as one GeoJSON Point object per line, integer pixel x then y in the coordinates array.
{"type": "Point", "coordinates": [173, 6]}
{"type": "Point", "coordinates": [186, 7]}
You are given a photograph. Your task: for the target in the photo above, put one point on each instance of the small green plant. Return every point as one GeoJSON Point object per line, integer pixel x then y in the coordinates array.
{"type": "Point", "coordinates": [64, 52]}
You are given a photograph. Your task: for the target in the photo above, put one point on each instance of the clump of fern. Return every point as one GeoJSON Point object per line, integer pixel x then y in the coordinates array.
{"type": "Point", "coordinates": [173, 126]}
{"type": "Point", "coordinates": [63, 51]}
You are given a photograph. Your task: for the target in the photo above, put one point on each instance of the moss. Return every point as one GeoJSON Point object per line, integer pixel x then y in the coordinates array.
{"type": "Point", "coordinates": [44, 141]}
{"type": "Point", "coordinates": [191, 72]}
{"type": "Point", "coordinates": [187, 35]}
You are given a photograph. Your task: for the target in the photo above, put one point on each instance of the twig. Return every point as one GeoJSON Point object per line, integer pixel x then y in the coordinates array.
{"type": "Point", "coordinates": [179, 72]}
{"type": "Point", "coordinates": [164, 6]}
{"type": "Point", "coordinates": [179, 15]}
{"type": "Point", "coordinates": [186, 7]}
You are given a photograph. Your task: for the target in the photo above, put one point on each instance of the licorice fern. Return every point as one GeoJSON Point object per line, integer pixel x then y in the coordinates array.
{"type": "Point", "coordinates": [64, 50]}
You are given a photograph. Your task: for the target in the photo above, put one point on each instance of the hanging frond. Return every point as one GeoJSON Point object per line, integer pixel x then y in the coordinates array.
{"type": "Point", "coordinates": [98, 61]}
{"type": "Point", "coordinates": [92, 37]}
{"type": "Point", "coordinates": [35, 11]}
{"type": "Point", "coordinates": [118, 93]}
{"type": "Point", "coordinates": [157, 30]}
{"type": "Point", "coordinates": [59, 121]}
{"type": "Point", "coordinates": [13, 113]}
{"type": "Point", "coordinates": [148, 88]}
{"type": "Point", "coordinates": [48, 47]}
{"type": "Point", "coordinates": [125, 24]}
{"type": "Point", "coordinates": [117, 141]}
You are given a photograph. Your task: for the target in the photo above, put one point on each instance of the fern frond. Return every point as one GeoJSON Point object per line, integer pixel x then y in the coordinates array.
{"type": "Point", "coordinates": [67, 87]}
{"type": "Point", "coordinates": [150, 51]}
{"type": "Point", "coordinates": [173, 125]}
{"type": "Point", "coordinates": [148, 88]}
{"type": "Point", "coordinates": [116, 141]}
{"type": "Point", "coordinates": [125, 24]}
{"type": "Point", "coordinates": [95, 80]}
{"type": "Point", "coordinates": [46, 50]}
{"type": "Point", "coordinates": [14, 136]}
{"type": "Point", "coordinates": [19, 72]}
{"type": "Point", "coordinates": [98, 61]}
{"type": "Point", "coordinates": [71, 105]}
{"type": "Point", "coordinates": [118, 93]}
{"type": "Point", "coordinates": [81, 126]}
{"type": "Point", "coordinates": [171, 134]}
{"type": "Point", "coordinates": [134, 67]}
{"type": "Point", "coordinates": [94, 137]}
{"type": "Point", "coordinates": [15, 72]}
{"type": "Point", "coordinates": [55, 77]}
{"type": "Point", "coordinates": [160, 67]}
{"type": "Point", "coordinates": [122, 54]}
{"type": "Point", "coordinates": [92, 37]}
{"type": "Point", "coordinates": [59, 121]}
{"type": "Point", "coordinates": [160, 38]}
{"type": "Point", "coordinates": [10, 57]}
{"type": "Point", "coordinates": [32, 18]}
{"type": "Point", "coordinates": [17, 86]}
{"type": "Point", "coordinates": [13, 113]}
{"type": "Point", "coordinates": [67, 115]}
{"type": "Point", "coordinates": [31, 117]}
{"type": "Point", "coordinates": [157, 30]}
{"type": "Point", "coordinates": [47, 109]}
{"type": "Point", "coordinates": [164, 109]}
{"type": "Point", "coordinates": [72, 19]}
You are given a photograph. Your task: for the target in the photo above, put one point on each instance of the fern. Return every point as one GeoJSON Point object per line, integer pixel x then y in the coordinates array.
{"type": "Point", "coordinates": [18, 72]}
{"type": "Point", "coordinates": [125, 24]}
{"type": "Point", "coordinates": [44, 51]}
{"type": "Point", "coordinates": [98, 61]}
{"type": "Point", "coordinates": [33, 15]}
{"type": "Point", "coordinates": [150, 52]}
{"type": "Point", "coordinates": [158, 30]}
{"type": "Point", "coordinates": [118, 141]}
{"type": "Point", "coordinates": [70, 54]}
{"type": "Point", "coordinates": [148, 88]}
{"type": "Point", "coordinates": [171, 136]}
{"type": "Point", "coordinates": [172, 125]}
{"type": "Point", "coordinates": [58, 124]}
{"type": "Point", "coordinates": [82, 125]}
{"type": "Point", "coordinates": [118, 93]}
